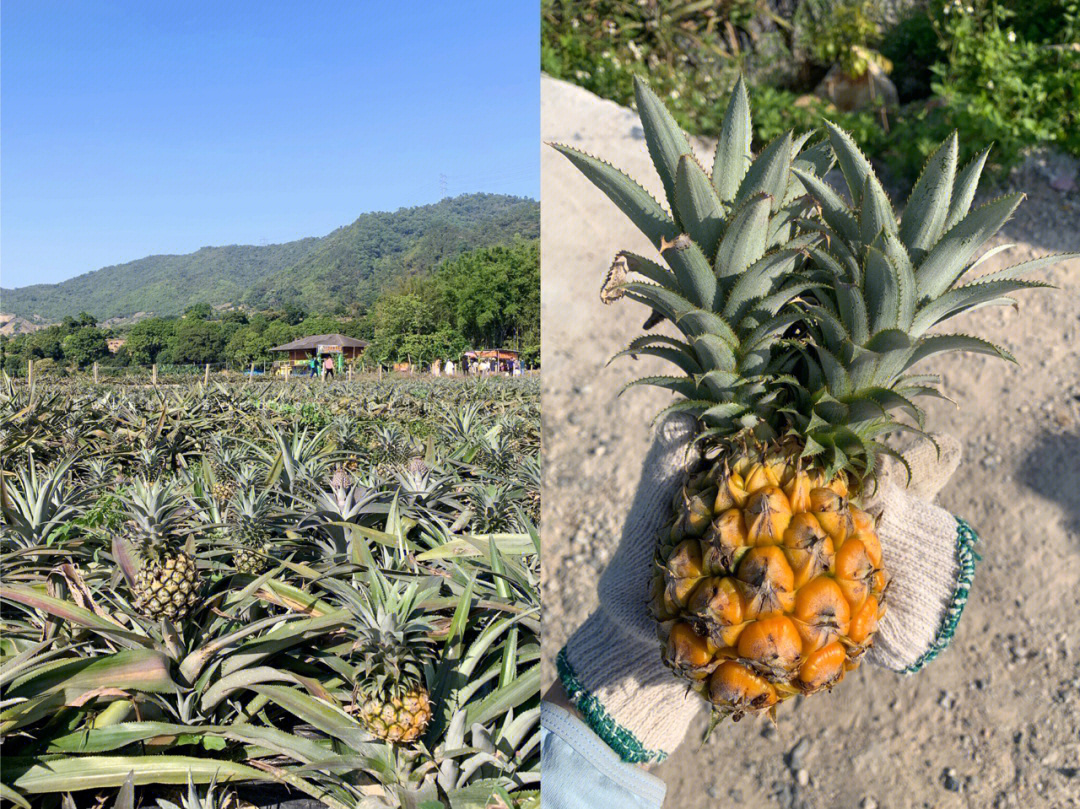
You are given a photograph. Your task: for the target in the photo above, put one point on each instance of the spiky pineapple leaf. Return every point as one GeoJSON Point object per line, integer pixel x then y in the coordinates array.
{"type": "Point", "coordinates": [700, 210]}
{"type": "Point", "coordinates": [666, 141]}
{"type": "Point", "coordinates": [1010, 273]}
{"type": "Point", "coordinates": [715, 353]}
{"type": "Point", "coordinates": [650, 269]}
{"type": "Point", "coordinates": [834, 210]}
{"type": "Point", "coordinates": [732, 157]}
{"type": "Point", "coordinates": [876, 214]}
{"type": "Point", "coordinates": [745, 238]}
{"type": "Point", "coordinates": [679, 358]}
{"type": "Point", "coordinates": [882, 292]}
{"type": "Point", "coordinates": [968, 297]}
{"type": "Point", "coordinates": [858, 173]}
{"type": "Point", "coordinates": [852, 308]}
{"type": "Point", "coordinates": [928, 205]}
{"type": "Point", "coordinates": [967, 182]}
{"type": "Point", "coordinates": [949, 258]}
{"type": "Point", "coordinates": [942, 343]}
{"type": "Point", "coordinates": [700, 321]}
{"type": "Point", "coordinates": [759, 280]}
{"type": "Point", "coordinates": [684, 386]}
{"type": "Point", "coordinates": [633, 200]}
{"type": "Point", "coordinates": [692, 270]}
{"type": "Point", "coordinates": [768, 174]}
{"type": "Point", "coordinates": [819, 158]}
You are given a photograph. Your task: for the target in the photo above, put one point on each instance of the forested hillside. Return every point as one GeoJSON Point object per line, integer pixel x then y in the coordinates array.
{"type": "Point", "coordinates": [342, 272]}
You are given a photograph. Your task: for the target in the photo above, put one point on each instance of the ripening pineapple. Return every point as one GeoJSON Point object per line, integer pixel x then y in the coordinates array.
{"type": "Point", "coordinates": [249, 529]}
{"type": "Point", "coordinates": [222, 461]}
{"type": "Point", "coordinates": [167, 583]}
{"type": "Point", "coordinates": [797, 339]}
{"type": "Point", "coordinates": [390, 697]}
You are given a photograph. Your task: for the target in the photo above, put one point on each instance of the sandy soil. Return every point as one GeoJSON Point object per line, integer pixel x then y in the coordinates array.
{"type": "Point", "coordinates": [995, 721]}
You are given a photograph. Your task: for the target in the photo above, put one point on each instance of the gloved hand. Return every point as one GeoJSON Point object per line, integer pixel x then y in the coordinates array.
{"type": "Point", "coordinates": [928, 552]}
{"type": "Point", "coordinates": [611, 668]}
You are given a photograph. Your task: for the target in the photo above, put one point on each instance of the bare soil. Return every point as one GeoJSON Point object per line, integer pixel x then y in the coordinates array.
{"type": "Point", "coordinates": [993, 722]}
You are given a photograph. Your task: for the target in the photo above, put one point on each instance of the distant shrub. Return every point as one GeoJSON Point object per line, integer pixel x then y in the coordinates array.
{"type": "Point", "coordinates": [1001, 72]}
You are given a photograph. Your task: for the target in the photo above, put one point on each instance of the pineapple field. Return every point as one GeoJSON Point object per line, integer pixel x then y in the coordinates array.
{"type": "Point", "coordinates": [330, 591]}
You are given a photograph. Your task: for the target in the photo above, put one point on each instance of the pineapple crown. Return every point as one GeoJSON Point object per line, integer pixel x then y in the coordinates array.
{"type": "Point", "coordinates": [250, 506]}
{"type": "Point", "coordinates": [799, 314]}
{"type": "Point", "coordinates": [156, 510]}
{"type": "Point", "coordinates": [393, 634]}
{"type": "Point", "coordinates": [880, 282]}
{"type": "Point", "coordinates": [731, 252]}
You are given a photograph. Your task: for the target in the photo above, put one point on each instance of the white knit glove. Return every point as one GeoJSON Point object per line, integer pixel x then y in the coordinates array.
{"type": "Point", "coordinates": [928, 552]}
{"type": "Point", "coordinates": [611, 668]}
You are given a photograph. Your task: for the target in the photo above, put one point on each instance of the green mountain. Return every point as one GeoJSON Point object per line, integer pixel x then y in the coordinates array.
{"type": "Point", "coordinates": [349, 266]}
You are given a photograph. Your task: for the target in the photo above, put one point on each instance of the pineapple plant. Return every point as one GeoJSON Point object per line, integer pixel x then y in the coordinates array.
{"type": "Point", "coordinates": [390, 696]}
{"type": "Point", "coordinates": [248, 527]}
{"type": "Point", "coordinates": [222, 463]}
{"type": "Point", "coordinates": [167, 581]}
{"type": "Point", "coordinates": [800, 317]}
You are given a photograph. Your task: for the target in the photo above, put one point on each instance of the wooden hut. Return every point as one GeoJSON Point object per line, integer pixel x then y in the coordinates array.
{"type": "Point", "coordinates": [318, 345]}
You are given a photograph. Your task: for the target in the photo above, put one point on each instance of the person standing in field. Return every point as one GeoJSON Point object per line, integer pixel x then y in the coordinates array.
{"type": "Point", "coordinates": [312, 367]}
{"type": "Point", "coordinates": [449, 367]}
{"type": "Point", "coordinates": [328, 367]}
{"type": "Point", "coordinates": [436, 368]}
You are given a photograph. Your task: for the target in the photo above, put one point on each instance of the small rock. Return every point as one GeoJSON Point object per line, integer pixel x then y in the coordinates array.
{"type": "Point", "coordinates": [802, 777]}
{"type": "Point", "coordinates": [868, 803]}
{"type": "Point", "coordinates": [796, 757]}
{"type": "Point", "coordinates": [949, 780]}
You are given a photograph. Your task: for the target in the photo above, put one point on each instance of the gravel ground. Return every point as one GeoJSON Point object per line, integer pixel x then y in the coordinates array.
{"type": "Point", "coordinates": [995, 721]}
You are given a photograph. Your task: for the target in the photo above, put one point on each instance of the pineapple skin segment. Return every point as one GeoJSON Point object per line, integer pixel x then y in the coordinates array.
{"type": "Point", "coordinates": [167, 589]}
{"type": "Point", "coordinates": [398, 718]}
{"type": "Point", "coordinates": [768, 582]}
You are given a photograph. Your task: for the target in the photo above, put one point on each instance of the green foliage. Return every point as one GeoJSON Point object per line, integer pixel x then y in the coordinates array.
{"type": "Point", "coordinates": [913, 47]}
{"type": "Point", "coordinates": [342, 271]}
{"type": "Point", "coordinates": [493, 296]}
{"type": "Point", "coordinates": [199, 311]}
{"type": "Point", "coordinates": [834, 31]}
{"type": "Point", "coordinates": [1004, 72]}
{"type": "Point", "coordinates": [85, 345]}
{"type": "Point", "coordinates": [998, 86]}
{"type": "Point", "coordinates": [196, 341]}
{"type": "Point", "coordinates": [258, 682]}
{"type": "Point", "coordinates": [486, 298]}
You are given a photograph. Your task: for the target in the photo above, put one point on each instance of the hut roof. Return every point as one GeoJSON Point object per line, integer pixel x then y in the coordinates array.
{"type": "Point", "coordinates": [316, 340]}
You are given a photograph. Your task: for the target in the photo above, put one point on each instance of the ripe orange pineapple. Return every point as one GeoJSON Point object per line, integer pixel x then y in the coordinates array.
{"type": "Point", "coordinates": [798, 319]}
{"type": "Point", "coordinates": [769, 583]}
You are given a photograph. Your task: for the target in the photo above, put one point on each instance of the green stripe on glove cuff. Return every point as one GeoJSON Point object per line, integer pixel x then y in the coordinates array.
{"type": "Point", "coordinates": [618, 738]}
{"type": "Point", "coordinates": [966, 557]}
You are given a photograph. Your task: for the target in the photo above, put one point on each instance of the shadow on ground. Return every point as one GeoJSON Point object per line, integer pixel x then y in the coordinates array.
{"type": "Point", "coordinates": [1052, 469]}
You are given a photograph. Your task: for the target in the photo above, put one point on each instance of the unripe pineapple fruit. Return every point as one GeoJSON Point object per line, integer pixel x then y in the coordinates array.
{"type": "Point", "coordinates": [761, 573]}
{"type": "Point", "coordinates": [389, 695]}
{"type": "Point", "coordinates": [249, 514]}
{"type": "Point", "coordinates": [167, 582]}
{"type": "Point", "coordinates": [168, 587]}
{"type": "Point", "coordinates": [398, 718]}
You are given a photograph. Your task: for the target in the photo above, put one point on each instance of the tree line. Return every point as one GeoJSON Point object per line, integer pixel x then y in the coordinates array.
{"type": "Point", "coordinates": [486, 298]}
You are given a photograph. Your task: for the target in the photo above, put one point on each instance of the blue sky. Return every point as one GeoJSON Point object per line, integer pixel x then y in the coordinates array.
{"type": "Point", "coordinates": [132, 128]}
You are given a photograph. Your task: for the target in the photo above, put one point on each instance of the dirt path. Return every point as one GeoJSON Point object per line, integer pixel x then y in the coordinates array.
{"type": "Point", "coordinates": [995, 721]}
